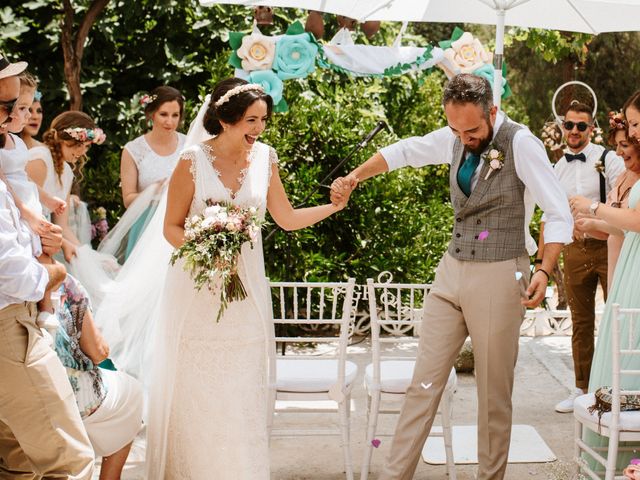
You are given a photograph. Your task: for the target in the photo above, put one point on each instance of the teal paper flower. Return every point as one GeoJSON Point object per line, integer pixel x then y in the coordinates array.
{"type": "Point", "coordinates": [486, 71]}
{"type": "Point", "coordinates": [272, 85]}
{"type": "Point", "coordinates": [295, 56]}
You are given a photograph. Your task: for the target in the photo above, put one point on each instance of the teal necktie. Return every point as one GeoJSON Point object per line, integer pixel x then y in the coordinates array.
{"type": "Point", "coordinates": [465, 172]}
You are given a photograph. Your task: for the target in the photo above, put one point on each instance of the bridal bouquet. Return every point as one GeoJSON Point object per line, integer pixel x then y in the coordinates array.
{"type": "Point", "coordinates": [213, 241]}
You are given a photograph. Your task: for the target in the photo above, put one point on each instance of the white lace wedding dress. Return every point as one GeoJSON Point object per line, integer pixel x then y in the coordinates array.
{"type": "Point", "coordinates": [208, 394]}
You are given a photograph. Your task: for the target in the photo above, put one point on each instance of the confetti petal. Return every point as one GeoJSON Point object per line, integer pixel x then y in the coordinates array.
{"type": "Point", "coordinates": [426, 387]}
{"type": "Point", "coordinates": [375, 442]}
{"type": "Point", "coordinates": [483, 235]}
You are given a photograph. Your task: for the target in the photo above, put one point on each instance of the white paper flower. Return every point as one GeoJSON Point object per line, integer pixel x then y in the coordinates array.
{"type": "Point", "coordinates": [466, 55]}
{"type": "Point", "coordinates": [257, 52]}
{"type": "Point", "coordinates": [495, 164]}
{"type": "Point", "coordinates": [494, 154]}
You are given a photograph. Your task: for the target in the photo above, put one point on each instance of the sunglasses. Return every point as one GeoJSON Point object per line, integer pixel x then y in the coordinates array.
{"type": "Point", "coordinates": [8, 104]}
{"type": "Point", "coordinates": [581, 126]}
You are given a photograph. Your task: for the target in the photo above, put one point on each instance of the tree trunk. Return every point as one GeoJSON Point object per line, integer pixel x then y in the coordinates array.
{"type": "Point", "coordinates": [73, 48]}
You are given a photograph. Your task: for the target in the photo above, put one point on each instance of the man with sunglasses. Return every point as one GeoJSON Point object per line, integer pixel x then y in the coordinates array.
{"type": "Point", "coordinates": [41, 432]}
{"type": "Point", "coordinates": [590, 170]}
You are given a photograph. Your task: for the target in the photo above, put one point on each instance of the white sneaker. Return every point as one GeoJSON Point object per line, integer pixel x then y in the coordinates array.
{"type": "Point", "coordinates": [566, 405]}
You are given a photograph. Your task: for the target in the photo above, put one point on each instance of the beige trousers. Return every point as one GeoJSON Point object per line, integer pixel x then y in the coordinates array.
{"type": "Point", "coordinates": [482, 300]}
{"type": "Point", "coordinates": [41, 432]}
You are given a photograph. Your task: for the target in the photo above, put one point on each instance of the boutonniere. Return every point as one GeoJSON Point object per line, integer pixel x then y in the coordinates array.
{"type": "Point", "coordinates": [495, 159]}
{"type": "Point", "coordinates": [599, 166]}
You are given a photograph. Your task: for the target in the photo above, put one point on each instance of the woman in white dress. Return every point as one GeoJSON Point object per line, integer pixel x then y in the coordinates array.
{"type": "Point", "coordinates": [52, 167]}
{"type": "Point", "coordinates": [208, 391]}
{"type": "Point", "coordinates": [147, 162]}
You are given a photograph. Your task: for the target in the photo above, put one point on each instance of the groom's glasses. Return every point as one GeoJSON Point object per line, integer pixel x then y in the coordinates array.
{"type": "Point", "coordinates": [581, 126]}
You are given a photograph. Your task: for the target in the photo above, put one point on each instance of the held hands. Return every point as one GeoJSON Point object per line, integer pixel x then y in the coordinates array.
{"type": "Point", "coordinates": [341, 189]}
{"type": "Point", "coordinates": [37, 223]}
{"type": "Point", "coordinates": [51, 240]}
{"type": "Point", "coordinates": [579, 205]}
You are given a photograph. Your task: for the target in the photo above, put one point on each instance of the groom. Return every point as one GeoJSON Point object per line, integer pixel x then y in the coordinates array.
{"type": "Point", "coordinates": [475, 291]}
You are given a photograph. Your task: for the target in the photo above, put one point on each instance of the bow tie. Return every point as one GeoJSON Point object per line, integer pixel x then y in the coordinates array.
{"type": "Point", "coordinates": [580, 156]}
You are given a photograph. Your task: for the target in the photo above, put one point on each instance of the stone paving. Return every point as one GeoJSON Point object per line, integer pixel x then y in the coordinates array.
{"type": "Point", "coordinates": [543, 377]}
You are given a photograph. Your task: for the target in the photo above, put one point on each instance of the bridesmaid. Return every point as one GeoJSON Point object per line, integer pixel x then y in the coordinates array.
{"type": "Point", "coordinates": [619, 196]}
{"type": "Point", "coordinates": [624, 288]}
{"type": "Point", "coordinates": [52, 167]}
{"type": "Point", "coordinates": [147, 162]}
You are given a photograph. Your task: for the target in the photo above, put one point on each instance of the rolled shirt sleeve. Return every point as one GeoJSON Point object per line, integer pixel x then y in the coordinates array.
{"type": "Point", "coordinates": [22, 278]}
{"type": "Point", "coordinates": [535, 171]}
{"type": "Point", "coordinates": [431, 149]}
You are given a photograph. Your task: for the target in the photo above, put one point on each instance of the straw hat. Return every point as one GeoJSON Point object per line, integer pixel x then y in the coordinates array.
{"type": "Point", "coordinates": [8, 69]}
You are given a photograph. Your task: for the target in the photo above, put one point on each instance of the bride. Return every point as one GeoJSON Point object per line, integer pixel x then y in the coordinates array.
{"type": "Point", "coordinates": [207, 405]}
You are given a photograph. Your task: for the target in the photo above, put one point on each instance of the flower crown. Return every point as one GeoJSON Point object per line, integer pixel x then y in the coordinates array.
{"type": "Point", "coordinates": [617, 121]}
{"type": "Point", "coordinates": [147, 99]}
{"type": "Point", "coordinates": [236, 90]}
{"type": "Point", "coordinates": [93, 135]}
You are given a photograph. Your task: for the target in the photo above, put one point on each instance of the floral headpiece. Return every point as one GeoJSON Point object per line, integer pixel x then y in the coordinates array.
{"type": "Point", "coordinates": [37, 96]}
{"type": "Point", "coordinates": [147, 99]}
{"type": "Point", "coordinates": [617, 121]}
{"type": "Point", "coordinates": [236, 90]}
{"type": "Point", "coordinates": [93, 135]}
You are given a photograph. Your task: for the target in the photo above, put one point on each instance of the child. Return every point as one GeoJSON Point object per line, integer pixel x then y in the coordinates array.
{"type": "Point", "coordinates": [13, 159]}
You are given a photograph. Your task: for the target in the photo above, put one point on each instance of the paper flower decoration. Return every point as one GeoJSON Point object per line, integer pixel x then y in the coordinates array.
{"type": "Point", "coordinates": [256, 52]}
{"type": "Point", "coordinates": [295, 56]}
{"type": "Point", "coordinates": [268, 80]}
{"type": "Point", "coordinates": [487, 71]}
{"type": "Point", "coordinates": [463, 54]}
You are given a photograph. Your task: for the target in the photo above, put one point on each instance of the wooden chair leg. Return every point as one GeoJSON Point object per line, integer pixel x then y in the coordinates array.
{"type": "Point", "coordinates": [372, 423]}
{"type": "Point", "coordinates": [612, 456]}
{"type": "Point", "coordinates": [343, 408]}
{"type": "Point", "coordinates": [577, 452]}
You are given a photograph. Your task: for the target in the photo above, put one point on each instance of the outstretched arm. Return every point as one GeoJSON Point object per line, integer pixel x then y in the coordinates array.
{"type": "Point", "coordinates": [289, 218]}
{"type": "Point", "coordinates": [375, 165]}
{"type": "Point", "coordinates": [621, 218]}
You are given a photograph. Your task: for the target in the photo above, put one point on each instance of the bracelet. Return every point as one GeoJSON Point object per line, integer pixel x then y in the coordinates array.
{"type": "Point", "coordinates": [537, 261]}
{"type": "Point", "coordinates": [543, 271]}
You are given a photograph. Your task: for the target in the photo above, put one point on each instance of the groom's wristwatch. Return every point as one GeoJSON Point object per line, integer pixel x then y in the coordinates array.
{"type": "Point", "coordinates": [593, 207]}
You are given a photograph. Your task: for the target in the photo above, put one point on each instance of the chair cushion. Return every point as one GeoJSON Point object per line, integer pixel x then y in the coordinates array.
{"type": "Point", "coordinates": [629, 420]}
{"type": "Point", "coordinates": [396, 375]}
{"type": "Point", "coordinates": [310, 375]}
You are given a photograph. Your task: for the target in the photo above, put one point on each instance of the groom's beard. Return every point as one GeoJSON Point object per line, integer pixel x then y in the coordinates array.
{"type": "Point", "coordinates": [484, 143]}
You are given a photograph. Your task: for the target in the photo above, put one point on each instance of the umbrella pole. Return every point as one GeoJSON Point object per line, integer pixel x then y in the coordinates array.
{"type": "Point", "coordinates": [497, 59]}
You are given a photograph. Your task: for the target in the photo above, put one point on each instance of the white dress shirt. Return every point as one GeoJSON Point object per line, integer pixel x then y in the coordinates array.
{"type": "Point", "coordinates": [22, 278]}
{"type": "Point", "coordinates": [582, 178]}
{"type": "Point", "coordinates": [532, 167]}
